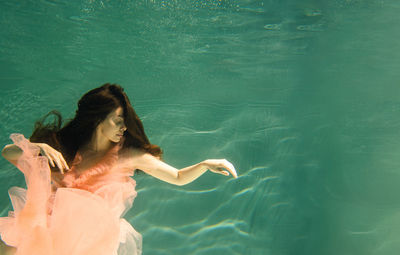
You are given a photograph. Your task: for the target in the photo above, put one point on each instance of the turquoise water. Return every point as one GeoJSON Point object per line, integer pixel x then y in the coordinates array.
{"type": "Point", "coordinates": [303, 97]}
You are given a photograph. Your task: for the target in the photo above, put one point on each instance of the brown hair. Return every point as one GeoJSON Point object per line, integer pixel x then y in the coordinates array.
{"type": "Point", "coordinates": [93, 108]}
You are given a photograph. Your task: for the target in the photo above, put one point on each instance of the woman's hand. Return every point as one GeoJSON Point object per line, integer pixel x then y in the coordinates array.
{"type": "Point", "coordinates": [217, 166]}
{"type": "Point", "coordinates": [53, 156]}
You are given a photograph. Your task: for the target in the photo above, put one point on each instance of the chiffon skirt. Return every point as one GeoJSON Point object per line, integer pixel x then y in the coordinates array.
{"type": "Point", "coordinates": [66, 221]}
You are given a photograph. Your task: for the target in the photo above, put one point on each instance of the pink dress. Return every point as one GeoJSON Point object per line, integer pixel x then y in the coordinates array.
{"type": "Point", "coordinates": [80, 214]}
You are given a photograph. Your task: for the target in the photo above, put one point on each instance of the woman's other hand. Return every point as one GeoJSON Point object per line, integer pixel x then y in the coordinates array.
{"type": "Point", "coordinates": [217, 166]}
{"type": "Point", "coordinates": [53, 156]}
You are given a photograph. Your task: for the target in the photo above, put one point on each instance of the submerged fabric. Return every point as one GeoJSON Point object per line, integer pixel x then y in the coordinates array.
{"type": "Point", "coordinates": [77, 214]}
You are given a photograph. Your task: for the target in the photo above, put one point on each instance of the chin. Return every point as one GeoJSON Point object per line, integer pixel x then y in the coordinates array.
{"type": "Point", "coordinates": [117, 139]}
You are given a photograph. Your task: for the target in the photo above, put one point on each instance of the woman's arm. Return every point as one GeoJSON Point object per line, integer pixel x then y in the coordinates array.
{"type": "Point", "coordinates": [12, 152]}
{"type": "Point", "coordinates": [160, 170]}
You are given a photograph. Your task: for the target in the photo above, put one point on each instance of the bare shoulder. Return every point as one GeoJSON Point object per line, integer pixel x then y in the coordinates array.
{"type": "Point", "coordinates": [133, 152]}
{"type": "Point", "coordinates": [137, 154]}
{"type": "Point", "coordinates": [129, 158]}
{"type": "Point", "coordinates": [152, 165]}
{"type": "Point", "coordinates": [135, 157]}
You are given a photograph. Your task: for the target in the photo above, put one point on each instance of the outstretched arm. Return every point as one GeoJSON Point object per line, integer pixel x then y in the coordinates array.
{"type": "Point", "coordinates": [160, 170]}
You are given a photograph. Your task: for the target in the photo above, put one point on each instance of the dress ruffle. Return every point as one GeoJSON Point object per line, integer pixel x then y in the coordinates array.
{"type": "Point", "coordinates": [81, 215]}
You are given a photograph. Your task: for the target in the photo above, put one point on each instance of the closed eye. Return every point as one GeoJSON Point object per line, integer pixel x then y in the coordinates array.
{"type": "Point", "coordinates": [119, 121]}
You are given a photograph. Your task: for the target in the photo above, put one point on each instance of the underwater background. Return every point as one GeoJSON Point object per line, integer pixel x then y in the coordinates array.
{"type": "Point", "coordinates": [303, 97]}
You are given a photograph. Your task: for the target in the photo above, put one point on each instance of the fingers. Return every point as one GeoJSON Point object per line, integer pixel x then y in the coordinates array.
{"type": "Point", "coordinates": [227, 165]}
{"type": "Point", "coordinates": [217, 165]}
{"type": "Point", "coordinates": [65, 165]}
{"type": "Point", "coordinates": [60, 161]}
{"type": "Point", "coordinates": [55, 158]}
{"type": "Point", "coordinates": [59, 164]}
{"type": "Point", "coordinates": [44, 153]}
{"type": "Point", "coordinates": [231, 168]}
{"type": "Point", "coordinates": [51, 161]}
{"type": "Point", "coordinates": [225, 173]}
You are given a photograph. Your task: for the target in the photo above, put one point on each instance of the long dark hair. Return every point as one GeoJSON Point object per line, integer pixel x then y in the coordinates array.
{"type": "Point", "coordinates": [93, 108]}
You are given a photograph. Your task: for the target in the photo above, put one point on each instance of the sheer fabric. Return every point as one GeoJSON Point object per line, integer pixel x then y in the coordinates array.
{"type": "Point", "coordinates": [78, 214]}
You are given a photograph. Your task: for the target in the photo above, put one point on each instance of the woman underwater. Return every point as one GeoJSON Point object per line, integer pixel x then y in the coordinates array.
{"type": "Point", "coordinates": [79, 183]}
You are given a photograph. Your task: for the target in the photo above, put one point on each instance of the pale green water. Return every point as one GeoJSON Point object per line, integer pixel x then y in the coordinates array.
{"type": "Point", "coordinates": [301, 96]}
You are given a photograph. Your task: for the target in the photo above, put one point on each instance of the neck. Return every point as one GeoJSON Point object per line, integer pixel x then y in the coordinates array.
{"type": "Point", "coordinates": [98, 143]}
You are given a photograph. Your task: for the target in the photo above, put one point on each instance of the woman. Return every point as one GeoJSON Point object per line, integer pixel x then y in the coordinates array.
{"type": "Point", "coordinates": [78, 179]}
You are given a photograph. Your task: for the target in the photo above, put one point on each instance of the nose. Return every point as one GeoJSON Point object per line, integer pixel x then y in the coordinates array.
{"type": "Point", "coordinates": [123, 128]}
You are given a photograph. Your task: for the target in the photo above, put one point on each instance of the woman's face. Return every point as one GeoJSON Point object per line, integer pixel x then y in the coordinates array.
{"type": "Point", "coordinates": [113, 127]}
